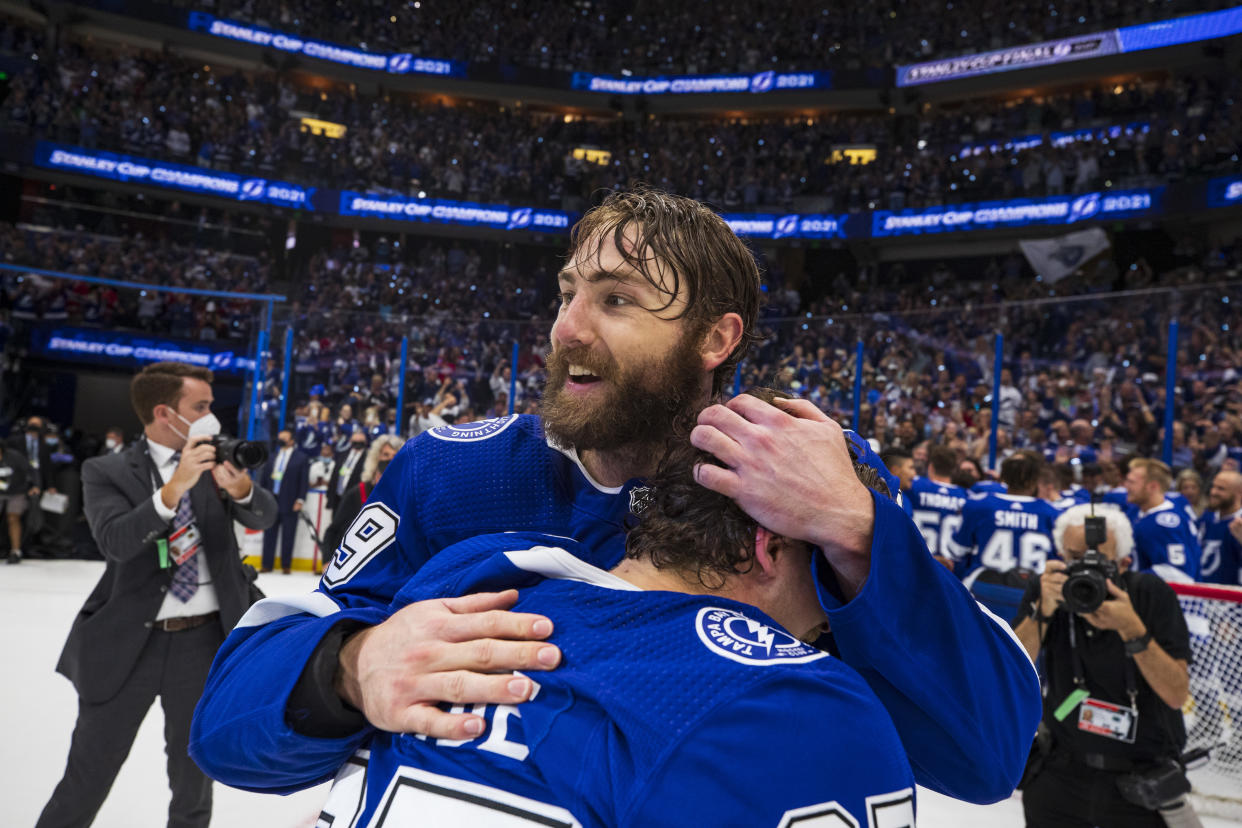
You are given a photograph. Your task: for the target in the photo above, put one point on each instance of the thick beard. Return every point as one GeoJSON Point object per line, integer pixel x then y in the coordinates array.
{"type": "Point", "coordinates": [643, 406]}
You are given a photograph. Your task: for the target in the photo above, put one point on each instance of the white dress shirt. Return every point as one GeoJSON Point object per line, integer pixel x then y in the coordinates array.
{"type": "Point", "coordinates": [204, 599]}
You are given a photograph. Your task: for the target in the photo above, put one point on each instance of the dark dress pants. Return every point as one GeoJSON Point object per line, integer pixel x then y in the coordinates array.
{"type": "Point", "coordinates": [173, 666]}
{"type": "Point", "coordinates": [1069, 794]}
{"type": "Point", "coordinates": [287, 526]}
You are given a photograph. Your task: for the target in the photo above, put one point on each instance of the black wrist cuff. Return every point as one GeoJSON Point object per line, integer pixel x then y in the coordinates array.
{"type": "Point", "coordinates": [314, 708]}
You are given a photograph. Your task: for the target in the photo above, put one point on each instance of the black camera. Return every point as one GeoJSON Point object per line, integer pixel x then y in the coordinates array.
{"type": "Point", "coordinates": [1086, 582]}
{"type": "Point", "coordinates": [244, 454]}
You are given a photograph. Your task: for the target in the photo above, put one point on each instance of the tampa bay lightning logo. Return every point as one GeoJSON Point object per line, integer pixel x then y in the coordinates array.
{"type": "Point", "coordinates": [253, 188]}
{"type": "Point", "coordinates": [1168, 520]}
{"type": "Point", "coordinates": [473, 432]}
{"type": "Point", "coordinates": [763, 82]}
{"type": "Point", "coordinates": [222, 360]}
{"type": "Point", "coordinates": [519, 218]}
{"type": "Point", "coordinates": [785, 226]}
{"type": "Point", "coordinates": [1084, 207]}
{"type": "Point", "coordinates": [400, 64]}
{"type": "Point", "coordinates": [740, 638]}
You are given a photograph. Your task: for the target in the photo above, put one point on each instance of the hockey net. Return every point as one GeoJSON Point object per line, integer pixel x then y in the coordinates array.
{"type": "Point", "coordinates": [1213, 713]}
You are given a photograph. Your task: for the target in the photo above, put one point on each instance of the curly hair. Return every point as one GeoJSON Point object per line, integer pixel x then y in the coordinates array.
{"type": "Point", "coordinates": [688, 528]}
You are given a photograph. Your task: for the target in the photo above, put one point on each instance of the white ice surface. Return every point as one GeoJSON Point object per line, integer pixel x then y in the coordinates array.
{"type": "Point", "coordinates": [38, 601]}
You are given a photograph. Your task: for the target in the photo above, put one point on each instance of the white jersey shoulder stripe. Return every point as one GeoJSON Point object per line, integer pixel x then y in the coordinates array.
{"type": "Point", "coordinates": [273, 609]}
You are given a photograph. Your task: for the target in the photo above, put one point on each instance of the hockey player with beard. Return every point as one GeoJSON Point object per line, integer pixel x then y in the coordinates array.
{"type": "Point", "coordinates": [659, 302]}
{"type": "Point", "coordinates": [709, 616]}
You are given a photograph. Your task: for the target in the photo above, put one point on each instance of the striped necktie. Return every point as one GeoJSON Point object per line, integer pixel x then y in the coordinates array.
{"type": "Point", "coordinates": [185, 579]}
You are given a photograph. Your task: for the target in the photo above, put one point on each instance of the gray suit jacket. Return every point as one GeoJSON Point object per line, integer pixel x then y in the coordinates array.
{"type": "Point", "coordinates": [111, 628]}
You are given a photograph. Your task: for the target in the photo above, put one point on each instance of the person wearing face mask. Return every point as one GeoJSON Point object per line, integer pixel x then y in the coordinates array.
{"type": "Point", "coordinates": [382, 449]}
{"type": "Point", "coordinates": [30, 443]}
{"type": "Point", "coordinates": [162, 514]}
{"type": "Point", "coordinates": [114, 442]}
{"type": "Point", "coordinates": [348, 469]}
{"type": "Point", "coordinates": [286, 475]}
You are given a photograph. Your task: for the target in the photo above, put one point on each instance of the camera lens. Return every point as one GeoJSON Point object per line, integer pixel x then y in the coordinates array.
{"type": "Point", "coordinates": [250, 455]}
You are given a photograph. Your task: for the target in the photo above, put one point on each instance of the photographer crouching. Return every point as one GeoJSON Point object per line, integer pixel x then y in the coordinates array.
{"type": "Point", "coordinates": [1116, 650]}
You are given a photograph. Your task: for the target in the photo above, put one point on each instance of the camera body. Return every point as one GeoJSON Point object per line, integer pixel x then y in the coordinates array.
{"type": "Point", "coordinates": [1086, 582]}
{"type": "Point", "coordinates": [244, 454]}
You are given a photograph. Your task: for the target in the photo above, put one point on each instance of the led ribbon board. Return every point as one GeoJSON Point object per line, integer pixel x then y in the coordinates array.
{"type": "Point", "coordinates": [135, 170]}
{"type": "Point", "coordinates": [770, 81]}
{"type": "Point", "coordinates": [393, 63]}
{"type": "Point", "coordinates": [440, 211]}
{"type": "Point", "coordinates": [1019, 212]}
{"type": "Point", "coordinates": [1177, 31]}
{"type": "Point", "coordinates": [124, 350]}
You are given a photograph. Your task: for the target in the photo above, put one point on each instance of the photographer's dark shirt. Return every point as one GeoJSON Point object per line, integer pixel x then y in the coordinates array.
{"type": "Point", "coordinates": [1160, 729]}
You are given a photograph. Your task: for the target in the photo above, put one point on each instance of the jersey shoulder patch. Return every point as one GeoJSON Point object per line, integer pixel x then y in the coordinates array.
{"type": "Point", "coordinates": [740, 638]}
{"type": "Point", "coordinates": [1169, 520]}
{"type": "Point", "coordinates": [473, 432]}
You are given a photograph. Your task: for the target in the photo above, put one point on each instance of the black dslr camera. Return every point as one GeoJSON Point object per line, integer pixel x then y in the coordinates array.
{"type": "Point", "coordinates": [1086, 584]}
{"type": "Point", "coordinates": [244, 454]}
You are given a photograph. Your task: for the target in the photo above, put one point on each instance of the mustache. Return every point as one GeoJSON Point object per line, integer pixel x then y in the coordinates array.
{"type": "Point", "coordinates": [560, 359]}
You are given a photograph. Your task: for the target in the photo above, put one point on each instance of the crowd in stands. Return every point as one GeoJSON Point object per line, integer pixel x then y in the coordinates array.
{"type": "Point", "coordinates": [29, 297]}
{"type": "Point", "coordinates": [167, 107]}
{"type": "Point", "coordinates": [648, 37]}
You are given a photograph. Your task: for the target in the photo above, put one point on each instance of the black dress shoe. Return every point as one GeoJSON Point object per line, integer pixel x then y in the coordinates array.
{"type": "Point", "coordinates": [15, 557]}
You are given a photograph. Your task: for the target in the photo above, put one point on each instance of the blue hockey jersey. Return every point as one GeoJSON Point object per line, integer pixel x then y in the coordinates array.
{"type": "Point", "coordinates": [1221, 562]}
{"type": "Point", "coordinates": [1002, 532]}
{"type": "Point", "coordinates": [453, 483]}
{"type": "Point", "coordinates": [697, 733]}
{"type": "Point", "coordinates": [937, 511]}
{"type": "Point", "coordinates": [1165, 542]}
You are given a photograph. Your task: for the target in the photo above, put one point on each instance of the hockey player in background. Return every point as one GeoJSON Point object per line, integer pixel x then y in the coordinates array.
{"type": "Point", "coordinates": [937, 504]}
{"type": "Point", "coordinates": [1221, 533]}
{"type": "Point", "coordinates": [659, 301]}
{"type": "Point", "coordinates": [1002, 532]}
{"type": "Point", "coordinates": [1166, 541]}
{"type": "Point", "coordinates": [709, 617]}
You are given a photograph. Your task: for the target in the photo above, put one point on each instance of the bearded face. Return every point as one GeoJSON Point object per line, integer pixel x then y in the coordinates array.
{"type": "Point", "coordinates": [593, 402]}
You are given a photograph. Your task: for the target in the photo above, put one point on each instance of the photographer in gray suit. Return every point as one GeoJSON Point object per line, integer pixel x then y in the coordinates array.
{"type": "Point", "coordinates": [172, 588]}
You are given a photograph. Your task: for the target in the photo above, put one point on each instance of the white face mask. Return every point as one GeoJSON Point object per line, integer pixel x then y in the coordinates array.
{"type": "Point", "coordinates": [111, 443]}
{"type": "Point", "coordinates": [207, 426]}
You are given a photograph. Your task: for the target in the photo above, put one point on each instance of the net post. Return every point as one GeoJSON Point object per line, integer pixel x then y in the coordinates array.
{"type": "Point", "coordinates": [256, 381]}
{"type": "Point", "coordinates": [405, 361]}
{"type": "Point", "coordinates": [513, 376]}
{"type": "Point", "coordinates": [856, 423]}
{"type": "Point", "coordinates": [1170, 394]}
{"type": "Point", "coordinates": [284, 381]}
{"type": "Point", "coordinates": [997, 358]}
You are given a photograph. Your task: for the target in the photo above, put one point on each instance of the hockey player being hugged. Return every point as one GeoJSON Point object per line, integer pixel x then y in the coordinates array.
{"type": "Point", "coordinates": [710, 616]}
{"type": "Point", "coordinates": [1165, 540]}
{"type": "Point", "coordinates": [659, 302]}
{"type": "Point", "coordinates": [1003, 532]}
{"type": "Point", "coordinates": [1221, 532]}
{"type": "Point", "coordinates": [937, 503]}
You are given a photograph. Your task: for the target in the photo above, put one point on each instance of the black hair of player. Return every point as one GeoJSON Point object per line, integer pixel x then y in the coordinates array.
{"type": "Point", "coordinates": [694, 531]}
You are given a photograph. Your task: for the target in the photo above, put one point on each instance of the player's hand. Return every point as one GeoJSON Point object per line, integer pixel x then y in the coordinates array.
{"type": "Point", "coordinates": [197, 456]}
{"type": "Point", "coordinates": [232, 479]}
{"type": "Point", "coordinates": [459, 650]}
{"type": "Point", "coordinates": [1117, 614]}
{"type": "Point", "coordinates": [297, 507]}
{"type": "Point", "coordinates": [1050, 585]}
{"type": "Point", "coordinates": [789, 469]}
{"type": "Point", "coordinates": [1235, 528]}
